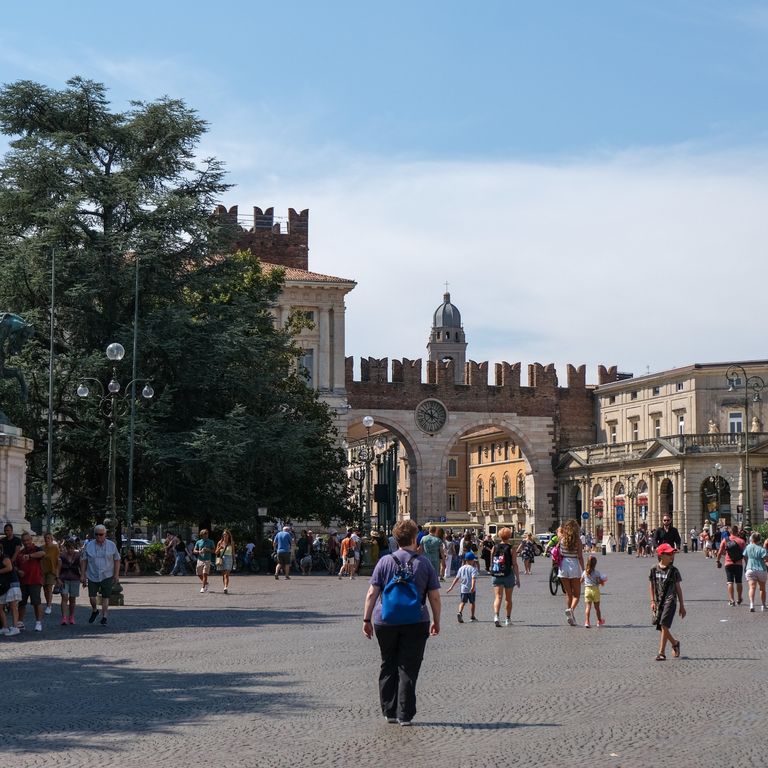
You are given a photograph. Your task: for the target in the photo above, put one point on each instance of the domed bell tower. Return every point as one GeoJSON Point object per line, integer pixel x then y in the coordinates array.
{"type": "Point", "coordinates": [446, 341]}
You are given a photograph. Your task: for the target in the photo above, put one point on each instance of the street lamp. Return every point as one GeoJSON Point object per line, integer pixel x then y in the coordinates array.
{"type": "Point", "coordinates": [112, 405]}
{"type": "Point", "coordinates": [365, 455]}
{"type": "Point", "coordinates": [736, 376]}
{"type": "Point", "coordinates": [631, 495]}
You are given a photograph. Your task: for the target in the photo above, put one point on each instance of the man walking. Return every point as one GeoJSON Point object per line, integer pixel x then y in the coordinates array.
{"type": "Point", "coordinates": [694, 539]}
{"type": "Point", "coordinates": [30, 571]}
{"type": "Point", "coordinates": [203, 551]}
{"type": "Point", "coordinates": [100, 569]}
{"type": "Point", "coordinates": [733, 550]}
{"type": "Point", "coordinates": [667, 533]}
{"type": "Point", "coordinates": [282, 544]}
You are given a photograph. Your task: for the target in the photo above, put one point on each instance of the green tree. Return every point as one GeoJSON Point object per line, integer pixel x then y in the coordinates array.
{"type": "Point", "coordinates": [233, 425]}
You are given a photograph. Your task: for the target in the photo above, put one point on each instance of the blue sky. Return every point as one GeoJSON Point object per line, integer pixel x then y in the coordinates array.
{"type": "Point", "coordinates": [588, 177]}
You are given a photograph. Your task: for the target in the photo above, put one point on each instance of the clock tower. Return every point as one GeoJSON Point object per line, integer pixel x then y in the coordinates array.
{"type": "Point", "coordinates": [446, 340]}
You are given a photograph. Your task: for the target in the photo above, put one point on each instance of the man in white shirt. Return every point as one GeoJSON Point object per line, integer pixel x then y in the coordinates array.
{"type": "Point", "coordinates": [100, 569]}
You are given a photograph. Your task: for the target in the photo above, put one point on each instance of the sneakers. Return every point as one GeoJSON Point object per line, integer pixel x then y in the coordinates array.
{"type": "Point", "coordinates": [474, 618]}
{"type": "Point", "coordinates": [587, 625]}
{"type": "Point", "coordinates": [64, 621]}
{"type": "Point", "coordinates": [390, 719]}
{"type": "Point", "coordinates": [38, 626]}
{"type": "Point", "coordinates": [507, 622]}
{"type": "Point", "coordinates": [752, 609]}
{"type": "Point", "coordinates": [569, 617]}
{"type": "Point", "coordinates": [405, 722]}
{"type": "Point", "coordinates": [92, 617]}
{"type": "Point", "coordinates": [11, 631]}
{"type": "Point", "coordinates": [5, 631]}
{"type": "Point", "coordinates": [202, 589]}
{"type": "Point", "coordinates": [289, 578]}
{"type": "Point", "coordinates": [103, 621]}
{"type": "Point", "coordinates": [600, 622]}
{"type": "Point", "coordinates": [47, 610]}
{"type": "Point", "coordinates": [225, 591]}
{"type": "Point", "coordinates": [72, 619]}
{"type": "Point", "coordinates": [762, 607]}
{"type": "Point", "coordinates": [731, 603]}
{"type": "Point", "coordinates": [459, 618]}
{"type": "Point", "coordinates": [19, 625]}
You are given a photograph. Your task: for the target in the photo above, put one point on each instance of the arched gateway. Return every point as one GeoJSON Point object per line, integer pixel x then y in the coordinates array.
{"type": "Point", "coordinates": [428, 418]}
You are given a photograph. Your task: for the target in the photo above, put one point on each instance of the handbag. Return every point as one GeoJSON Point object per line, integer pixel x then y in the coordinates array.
{"type": "Point", "coordinates": [219, 561]}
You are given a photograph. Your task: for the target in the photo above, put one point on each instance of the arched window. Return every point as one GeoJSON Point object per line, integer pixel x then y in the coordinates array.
{"type": "Point", "coordinates": [520, 484]}
{"type": "Point", "coordinates": [480, 489]}
{"type": "Point", "coordinates": [453, 468]}
{"type": "Point", "coordinates": [507, 488]}
{"type": "Point", "coordinates": [492, 489]}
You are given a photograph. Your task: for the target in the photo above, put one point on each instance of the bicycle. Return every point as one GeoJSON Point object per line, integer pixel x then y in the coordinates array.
{"type": "Point", "coordinates": [554, 581]}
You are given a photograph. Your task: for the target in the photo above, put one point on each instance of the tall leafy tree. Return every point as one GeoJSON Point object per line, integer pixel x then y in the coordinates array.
{"type": "Point", "coordinates": [233, 426]}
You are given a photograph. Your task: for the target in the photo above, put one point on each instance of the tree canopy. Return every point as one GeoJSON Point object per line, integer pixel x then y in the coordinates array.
{"type": "Point", "coordinates": [233, 425]}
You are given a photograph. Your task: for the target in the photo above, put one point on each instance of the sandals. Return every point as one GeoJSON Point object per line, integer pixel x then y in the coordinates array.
{"type": "Point", "coordinates": [661, 657]}
{"type": "Point", "coordinates": [676, 650]}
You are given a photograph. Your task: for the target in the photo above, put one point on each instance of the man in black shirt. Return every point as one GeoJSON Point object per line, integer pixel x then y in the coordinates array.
{"type": "Point", "coordinates": [11, 544]}
{"type": "Point", "coordinates": [667, 534]}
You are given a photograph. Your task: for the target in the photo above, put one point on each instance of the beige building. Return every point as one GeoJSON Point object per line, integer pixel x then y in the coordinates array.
{"type": "Point", "coordinates": [680, 441]}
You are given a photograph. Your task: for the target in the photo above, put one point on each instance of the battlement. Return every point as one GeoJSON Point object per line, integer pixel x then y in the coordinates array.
{"type": "Point", "coordinates": [273, 239]}
{"type": "Point", "coordinates": [405, 388]}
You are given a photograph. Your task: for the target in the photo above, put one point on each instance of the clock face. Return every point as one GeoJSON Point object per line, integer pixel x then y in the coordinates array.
{"type": "Point", "coordinates": [431, 416]}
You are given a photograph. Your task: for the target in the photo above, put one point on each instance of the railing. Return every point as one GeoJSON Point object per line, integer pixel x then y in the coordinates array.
{"type": "Point", "coordinates": [727, 442]}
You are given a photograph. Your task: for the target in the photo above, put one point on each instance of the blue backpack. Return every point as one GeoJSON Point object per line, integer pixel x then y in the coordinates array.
{"type": "Point", "coordinates": [400, 599]}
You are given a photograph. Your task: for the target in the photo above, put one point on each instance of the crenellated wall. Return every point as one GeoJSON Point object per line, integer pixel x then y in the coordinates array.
{"type": "Point", "coordinates": [268, 239]}
{"type": "Point", "coordinates": [571, 408]}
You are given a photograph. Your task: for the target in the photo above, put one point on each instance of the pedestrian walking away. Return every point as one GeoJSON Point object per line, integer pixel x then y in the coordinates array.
{"type": "Point", "coordinates": [732, 549]}
{"type": "Point", "coordinates": [467, 577]}
{"type": "Point", "coordinates": [506, 575]}
{"type": "Point", "coordinates": [592, 580]}
{"type": "Point", "coordinates": [757, 573]}
{"type": "Point", "coordinates": [570, 568]}
{"type": "Point", "coordinates": [404, 581]}
{"type": "Point", "coordinates": [665, 592]}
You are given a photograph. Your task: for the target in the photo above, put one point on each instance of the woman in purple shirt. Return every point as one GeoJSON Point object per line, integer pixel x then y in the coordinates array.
{"type": "Point", "coordinates": [402, 645]}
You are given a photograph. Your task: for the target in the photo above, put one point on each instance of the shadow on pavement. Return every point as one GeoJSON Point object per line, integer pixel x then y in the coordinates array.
{"type": "Point", "coordinates": [103, 701]}
{"type": "Point", "coordinates": [484, 726]}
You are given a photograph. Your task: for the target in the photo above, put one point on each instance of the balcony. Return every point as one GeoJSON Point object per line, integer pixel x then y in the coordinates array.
{"type": "Point", "coordinates": [607, 453]}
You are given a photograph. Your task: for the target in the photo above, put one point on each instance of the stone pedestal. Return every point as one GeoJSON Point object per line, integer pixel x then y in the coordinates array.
{"type": "Point", "coordinates": [14, 448]}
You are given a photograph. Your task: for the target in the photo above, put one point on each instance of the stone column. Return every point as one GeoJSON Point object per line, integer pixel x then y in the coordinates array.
{"type": "Point", "coordinates": [14, 448]}
{"type": "Point", "coordinates": [337, 350]}
{"type": "Point", "coordinates": [324, 351]}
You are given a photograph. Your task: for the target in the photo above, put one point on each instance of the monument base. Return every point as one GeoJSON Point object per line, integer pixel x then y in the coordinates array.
{"type": "Point", "coordinates": [14, 448]}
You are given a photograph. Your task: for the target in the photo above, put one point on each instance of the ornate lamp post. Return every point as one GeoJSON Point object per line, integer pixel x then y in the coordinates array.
{"type": "Point", "coordinates": [736, 376]}
{"type": "Point", "coordinates": [631, 495]}
{"type": "Point", "coordinates": [112, 405]}
{"type": "Point", "coordinates": [365, 455]}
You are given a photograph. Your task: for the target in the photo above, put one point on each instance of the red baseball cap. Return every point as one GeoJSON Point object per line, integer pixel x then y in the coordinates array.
{"type": "Point", "coordinates": [665, 549]}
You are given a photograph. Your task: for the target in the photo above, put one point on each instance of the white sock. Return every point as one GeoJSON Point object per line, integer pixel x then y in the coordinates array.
{"type": "Point", "coordinates": [495, 616]}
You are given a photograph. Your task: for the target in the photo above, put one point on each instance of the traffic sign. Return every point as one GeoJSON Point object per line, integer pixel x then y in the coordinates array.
{"type": "Point", "coordinates": [619, 517]}
{"type": "Point", "coordinates": [585, 515]}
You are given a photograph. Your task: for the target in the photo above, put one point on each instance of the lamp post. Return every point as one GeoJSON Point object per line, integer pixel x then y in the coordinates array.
{"type": "Point", "coordinates": [365, 456]}
{"type": "Point", "coordinates": [736, 376]}
{"type": "Point", "coordinates": [112, 405]}
{"type": "Point", "coordinates": [631, 495]}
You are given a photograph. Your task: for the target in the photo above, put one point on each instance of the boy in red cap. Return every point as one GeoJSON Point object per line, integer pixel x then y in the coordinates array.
{"type": "Point", "coordinates": [666, 592]}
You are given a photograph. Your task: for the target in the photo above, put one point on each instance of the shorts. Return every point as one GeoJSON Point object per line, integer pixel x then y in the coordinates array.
{"type": "Point", "coordinates": [13, 595]}
{"type": "Point", "coordinates": [103, 587]}
{"type": "Point", "coordinates": [760, 576]}
{"type": "Point", "coordinates": [733, 573]}
{"type": "Point", "coordinates": [569, 568]}
{"type": "Point", "coordinates": [70, 588]}
{"type": "Point", "coordinates": [591, 594]}
{"type": "Point", "coordinates": [31, 593]}
{"type": "Point", "coordinates": [203, 567]}
{"type": "Point", "coordinates": [666, 614]}
{"type": "Point", "coordinates": [508, 582]}
{"type": "Point", "coordinates": [468, 597]}
{"type": "Point", "coordinates": [49, 579]}
{"type": "Point", "coordinates": [350, 559]}
{"type": "Point", "coordinates": [284, 558]}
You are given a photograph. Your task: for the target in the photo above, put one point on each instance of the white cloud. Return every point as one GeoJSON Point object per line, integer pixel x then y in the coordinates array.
{"type": "Point", "coordinates": [648, 259]}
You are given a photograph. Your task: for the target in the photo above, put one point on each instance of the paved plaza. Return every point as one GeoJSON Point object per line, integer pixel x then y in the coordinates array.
{"type": "Point", "coordinates": [279, 674]}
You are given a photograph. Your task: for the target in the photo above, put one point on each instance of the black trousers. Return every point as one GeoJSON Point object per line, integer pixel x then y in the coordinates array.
{"type": "Point", "coordinates": [402, 650]}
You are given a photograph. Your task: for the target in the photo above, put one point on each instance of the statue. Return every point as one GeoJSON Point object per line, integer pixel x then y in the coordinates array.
{"type": "Point", "coordinates": [712, 428]}
{"type": "Point", "coordinates": [755, 426]}
{"type": "Point", "coordinates": [14, 333]}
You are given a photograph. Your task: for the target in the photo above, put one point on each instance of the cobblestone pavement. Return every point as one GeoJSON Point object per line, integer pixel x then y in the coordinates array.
{"type": "Point", "coordinates": [278, 673]}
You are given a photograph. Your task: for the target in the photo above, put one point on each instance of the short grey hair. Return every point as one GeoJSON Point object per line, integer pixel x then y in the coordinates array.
{"type": "Point", "coordinates": [99, 528]}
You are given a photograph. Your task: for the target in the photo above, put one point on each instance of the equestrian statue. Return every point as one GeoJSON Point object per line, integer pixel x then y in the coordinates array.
{"type": "Point", "coordinates": [14, 333]}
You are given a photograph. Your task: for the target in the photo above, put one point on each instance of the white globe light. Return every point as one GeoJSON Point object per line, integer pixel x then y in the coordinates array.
{"type": "Point", "coordinates": [147, 392]}
{"type": "Point", "coordinates": [367, 421]}
{"type": "Point", "coordinates": [113, 387]}
{"type": "Point", "coordinates": [115, 352]}
{"type": "Point", "coordinates": [82, 391]}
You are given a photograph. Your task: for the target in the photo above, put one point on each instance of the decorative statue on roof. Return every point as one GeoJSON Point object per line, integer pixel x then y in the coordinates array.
{"type": "Point", "coordinates": [14, 333]}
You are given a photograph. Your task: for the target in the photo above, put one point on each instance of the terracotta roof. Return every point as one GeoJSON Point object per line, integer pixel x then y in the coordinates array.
{"type": "Point", "coordinates": [302, 275]}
